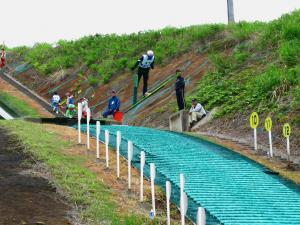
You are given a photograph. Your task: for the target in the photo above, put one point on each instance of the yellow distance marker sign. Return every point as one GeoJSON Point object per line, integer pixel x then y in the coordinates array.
{"type": "Point", "coordinates": [287, 130]}
{"type": "Point", "coordinates": [254, 120]}
{"type": "Point", "coordinates": [268, 124]}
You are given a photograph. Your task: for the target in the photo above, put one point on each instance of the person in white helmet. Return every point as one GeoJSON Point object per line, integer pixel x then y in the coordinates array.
{"type": "Point", "coordinates": [145, 63]}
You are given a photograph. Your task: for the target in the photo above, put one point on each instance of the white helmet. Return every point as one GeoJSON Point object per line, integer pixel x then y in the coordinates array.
{"type": "Point", "coordinates": [150, 53]}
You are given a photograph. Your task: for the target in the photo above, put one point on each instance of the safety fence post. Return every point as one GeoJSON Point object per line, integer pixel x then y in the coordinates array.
{"type": "Point", "coordinates": [168, 196]}
{"type": "Point", "coordinates": [88, 117]}
{"type": "Point", "coordinates": [184, 207]}
{"type": "Point", "coordinates": [106, 147]}
{"type": "Point", "coordinates": [201, 216]}
{"type": "Point", "coordinates": [79, 122]}
{"type": "Point", "coordinates": [182, 182]}
{"type": "Point", "coordinates": [97, 140]}
{"type": "Point", "coordinates": [254, 121]}
{"type": "Point", "coordinates": [143, 159]}
{"type": "Point", "coordinates": [286, 133]}
{"type": "Point", "coordinates": [152, 179]}
{"type": "Point", "coordinates": [130, 154]}
{"type": "Point", "coordinates": [268, 126]}
{"type": "Point", "coordinates": [118, 152]}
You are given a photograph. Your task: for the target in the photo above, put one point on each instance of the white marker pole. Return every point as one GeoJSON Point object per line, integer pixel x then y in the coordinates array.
{"type": "Point", "coordinates": [129, 156]}
{"type": "Point", "coordinates": [201, 216]}
{"type": "Point", "coordinates": [79, 107]}
{"type": "Point", "coordinates": [152, 178]}
{"type": "Point", "coordinates": [255, 139]}
{"type": "Point", "coordinates": [182, 181]}
{"type": "Point", "coordinates": [118, 152]}
{"type": "Point", "coordinates": [106, 147]}
{"type": "Point", "coordinates": [97, 139]}
{"type": "Point", "coordinates": [143, 159]}
{"type": "Point", "coordinates": [184, 207]}
{"type": "Point", "coordinates": [168, 193]}
{"type": "Point", "coordinates": [270, 142]}
{"type": "Point", "coordinates": [288, 147]}
{"type": "Point", "coordinates": [88, 117]}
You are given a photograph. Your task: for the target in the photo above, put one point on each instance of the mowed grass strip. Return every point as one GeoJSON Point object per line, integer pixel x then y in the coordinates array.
{"type": "Point", "coordinates": [17, 105]}
{"type": "Point", "coordinates": [91, 196]}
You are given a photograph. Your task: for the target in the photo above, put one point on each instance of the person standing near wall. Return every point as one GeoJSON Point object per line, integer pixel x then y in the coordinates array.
{"type": "Point", "coordinates": [145, 63]}
{"type": "Point", "coordinates": [179, 89]}
{"type": "Point", "coordinates": [55, 101]}
{"type": "Point", "coordinates": [3, 57]}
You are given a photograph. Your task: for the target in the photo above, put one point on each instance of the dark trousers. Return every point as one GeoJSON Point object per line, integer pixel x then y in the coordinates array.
{"type": "Point", "coordinates": [142, 72]}
{"type": "Point", "coordinates": [180, 99]}
{"type": "Point", "coordinates": [108, 112]}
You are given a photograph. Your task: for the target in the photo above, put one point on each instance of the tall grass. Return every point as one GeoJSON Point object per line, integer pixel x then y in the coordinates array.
{"type": "Point", "coordinates": [262, 72]}
{"type": "Point", "coordinates": [106, 55]}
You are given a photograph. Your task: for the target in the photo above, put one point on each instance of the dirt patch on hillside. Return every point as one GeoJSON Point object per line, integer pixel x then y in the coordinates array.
{"type": "Point", "coordinates": [25, 197]}
{"type": "Point", "coordinates": [8, 88]}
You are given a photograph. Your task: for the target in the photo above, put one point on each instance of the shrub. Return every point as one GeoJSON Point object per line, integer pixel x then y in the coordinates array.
{"type": "Point", "coordinates": [290, 52]}
{"type": "Point", "coordinates": [93, 80]}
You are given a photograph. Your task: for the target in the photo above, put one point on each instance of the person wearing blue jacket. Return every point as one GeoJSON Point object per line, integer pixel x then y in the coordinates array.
{"type": "Point", "coordinates": [114, 104]}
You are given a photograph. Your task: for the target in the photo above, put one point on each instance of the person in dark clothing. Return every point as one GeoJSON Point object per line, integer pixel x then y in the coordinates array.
{"type": "Point", "coordinates": [145, 63]}
{"type": "Point", "coordinates": [114, 104]}
{"type": "Point", "coordinates": [179, 88]}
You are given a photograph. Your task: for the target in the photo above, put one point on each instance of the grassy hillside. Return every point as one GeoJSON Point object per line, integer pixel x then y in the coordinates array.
{"type": "Point", "coordinates": [256, 66]}
{"type": "Point", "coordinates": [17, 105]}
{"type": "Point", "coordinates": [105, 55]}
{"type": "Point", "coordinates": [262, 73]}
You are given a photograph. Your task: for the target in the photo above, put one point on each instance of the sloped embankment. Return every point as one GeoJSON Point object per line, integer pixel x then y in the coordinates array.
{"type": "Point", "coordinates": [25, 196]}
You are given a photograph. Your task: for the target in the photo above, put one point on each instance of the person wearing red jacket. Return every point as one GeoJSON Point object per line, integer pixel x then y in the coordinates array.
{"type": "Point", "coordinates": [3, 56]}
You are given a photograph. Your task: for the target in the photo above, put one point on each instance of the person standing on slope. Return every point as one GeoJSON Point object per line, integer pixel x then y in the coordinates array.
{"type": "Point", "coordinates": [55, 102]}
{"type": "Point", "coordinates": [145, 63]}
{"type": "Point", "coordinates": [3, 57]}
{"type": "Point", "coordinates": [179, 89]}
{"type": "Point", "coordinates": [70, 111]}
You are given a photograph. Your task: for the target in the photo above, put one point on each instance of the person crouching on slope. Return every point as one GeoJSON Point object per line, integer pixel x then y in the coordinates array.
{"type": "Point", "coordinates": [196, 113]}
{"type": "Point", "coordinates": [114, 104]}
{"type": "Point", "coordinates": [3, 57]}
{"type": "Point", "coordinates": [145, 63]}
{"type": "Point", "coordinates": [55, 102]}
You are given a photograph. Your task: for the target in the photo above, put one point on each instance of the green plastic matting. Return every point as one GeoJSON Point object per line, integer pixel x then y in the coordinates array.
{"type": "Point", "coordinates": [233, 189]}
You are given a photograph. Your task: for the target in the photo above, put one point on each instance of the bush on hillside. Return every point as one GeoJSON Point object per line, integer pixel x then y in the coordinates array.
{"type": "Point", "coordinates": [290, 52]}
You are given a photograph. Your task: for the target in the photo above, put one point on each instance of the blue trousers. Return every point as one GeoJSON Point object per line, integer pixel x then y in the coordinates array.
{"type": "Point", "coordinates": [108, 112]}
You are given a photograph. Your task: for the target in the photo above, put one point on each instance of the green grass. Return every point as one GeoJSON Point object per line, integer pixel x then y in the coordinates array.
{"type": "Point", "coordinates": [81, 185]}
{"type": "Point", "coordinates": [18, 106]}
{"type": "Point", "coordinates": [106, 55]}
{"type": "Point", "coordinates": [262, 73]}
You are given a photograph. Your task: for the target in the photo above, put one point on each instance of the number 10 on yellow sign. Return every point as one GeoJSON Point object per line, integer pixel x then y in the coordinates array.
{"type": "Point", "coordinates": [254, 121]}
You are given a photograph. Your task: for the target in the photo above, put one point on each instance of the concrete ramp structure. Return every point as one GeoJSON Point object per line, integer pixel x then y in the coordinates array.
{"type": "Point", "coordinates": [179, 121]}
